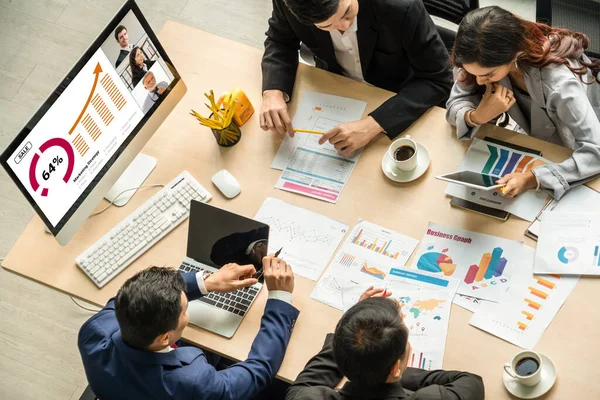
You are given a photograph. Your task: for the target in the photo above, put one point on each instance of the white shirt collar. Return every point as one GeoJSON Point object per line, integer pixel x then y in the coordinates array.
{"type": "Point", "coordinates": [165, 350]}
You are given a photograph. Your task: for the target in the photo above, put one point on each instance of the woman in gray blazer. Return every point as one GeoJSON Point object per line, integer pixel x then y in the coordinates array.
{"type": "Point", "coordinates": [539, 76]}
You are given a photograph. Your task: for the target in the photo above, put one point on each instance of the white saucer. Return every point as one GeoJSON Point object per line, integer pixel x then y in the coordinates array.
{"type": "Point", "coordinates": [531, 392]}
{"type": "Point", "coordinates": [389, 169]}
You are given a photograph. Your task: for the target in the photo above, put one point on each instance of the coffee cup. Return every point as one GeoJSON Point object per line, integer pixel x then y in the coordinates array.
{"type": "Point", "coordinates": [525, 367]}
{"type": "Point", "coordinates": [403, 153]}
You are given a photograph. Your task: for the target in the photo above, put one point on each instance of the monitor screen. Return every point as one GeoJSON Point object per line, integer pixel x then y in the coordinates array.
{"type": "Point", "coordinates": [85, 124]}
{"type": "Point", "coordinates": [217, 237]}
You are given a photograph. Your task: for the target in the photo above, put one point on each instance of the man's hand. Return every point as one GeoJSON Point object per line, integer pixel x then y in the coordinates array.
{"type": "Point", "coordinates": [274, 113]}
{"type": "Point", "coordinates": [351, 136]}
{"type": "Point", "coordinates": [517, 183]}
{"type": "Point", "coordinates": [231, 277]}
{"type": "Point", "coordinates": [496, 100]}
{"type": "Point", "coordinates": [370, 292]}
{"type": "Point", "coordinates": [278, 274]}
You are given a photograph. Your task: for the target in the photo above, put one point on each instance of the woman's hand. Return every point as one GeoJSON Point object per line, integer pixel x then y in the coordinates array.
{"type": "Point", "coordinates": [517, 183]}
{"type": "Point", "coordinates": [496, 100]}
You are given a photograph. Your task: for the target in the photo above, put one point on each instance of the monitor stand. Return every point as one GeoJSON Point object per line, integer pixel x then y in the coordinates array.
{"type": "Point", "coordinates": [133, 177]}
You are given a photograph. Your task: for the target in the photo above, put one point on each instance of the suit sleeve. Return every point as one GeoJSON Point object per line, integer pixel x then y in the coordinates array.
{"type": "Point", "coordinates": [463, 98]}
{"type": "Point", "coordinates": [439, 384]}
{"type": "Point", "coordinates": [321, 370]}
{"type": "Point", "coordinates": [246, 379]}
{"type": "Point", "coordinates": [431, 80]}
{"type": "Point", "coordinates": [192, 290]}
{"type": "Point", "coordinates": [97, 329]}
{"type": "Point", "coordinates": [280, 59]}
{"type": "Point", "coordinates": [575, 112]}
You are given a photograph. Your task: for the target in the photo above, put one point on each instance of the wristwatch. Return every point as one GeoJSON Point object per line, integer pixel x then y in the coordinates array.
{"type": "Point", "coordinates": [205, 274]}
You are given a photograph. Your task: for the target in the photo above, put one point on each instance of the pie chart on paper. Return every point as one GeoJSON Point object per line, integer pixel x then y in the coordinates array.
{"type": "Point", "coordinates": [568, 254]}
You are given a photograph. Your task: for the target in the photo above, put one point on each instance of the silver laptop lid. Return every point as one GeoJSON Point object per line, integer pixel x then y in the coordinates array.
{"type": "Point", "coordinates": [217, 237]}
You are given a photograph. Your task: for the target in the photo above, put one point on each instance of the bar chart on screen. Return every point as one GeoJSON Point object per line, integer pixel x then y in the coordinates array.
{"type": "Point", "coordinates": [502, 161]}
{"type": "Point", "coordinates": [496, 160]}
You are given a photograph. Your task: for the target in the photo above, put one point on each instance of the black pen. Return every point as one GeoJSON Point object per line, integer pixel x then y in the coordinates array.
{"type": "Point", "coordinates": [260, 273]}
{"type": "Point", "coordinates": [278, 252]}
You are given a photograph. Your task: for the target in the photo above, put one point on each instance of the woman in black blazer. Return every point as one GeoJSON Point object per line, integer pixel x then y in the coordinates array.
{"type": "Point", "coordinates": [138, 64]}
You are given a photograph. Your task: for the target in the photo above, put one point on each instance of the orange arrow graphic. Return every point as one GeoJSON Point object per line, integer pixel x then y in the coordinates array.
{"type": "Point", "coordinates": [97, 71]}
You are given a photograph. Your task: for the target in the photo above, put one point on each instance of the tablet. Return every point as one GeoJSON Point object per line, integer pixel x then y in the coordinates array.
{"type": "Point", "coordinates": [472, 179]}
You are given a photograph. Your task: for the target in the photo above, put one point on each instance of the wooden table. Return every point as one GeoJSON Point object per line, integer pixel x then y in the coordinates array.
{"type": "Point", "coordinates": [209, 62]}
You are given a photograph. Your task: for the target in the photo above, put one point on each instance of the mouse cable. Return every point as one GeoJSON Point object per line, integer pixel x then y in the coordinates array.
{"type": "Point", "coordinates": [112, 202]}
{"type": "Point", "coordinates": [85, 308]}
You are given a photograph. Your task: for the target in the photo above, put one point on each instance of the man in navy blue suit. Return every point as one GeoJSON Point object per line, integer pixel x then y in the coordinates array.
{"type": "Point", "coordinates": [131, 349]}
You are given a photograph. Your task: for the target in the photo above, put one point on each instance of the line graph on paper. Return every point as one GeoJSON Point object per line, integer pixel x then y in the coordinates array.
{"type": "Point", "coordinates": [293, 231]}
{"type": "Point", "coordinates": [307, 239]}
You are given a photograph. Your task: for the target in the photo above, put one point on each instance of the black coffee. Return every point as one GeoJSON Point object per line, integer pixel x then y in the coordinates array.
{"type": "Point", "coordinates": [403, 153]}
{"type": "Point", "coordinates": [527, 366]}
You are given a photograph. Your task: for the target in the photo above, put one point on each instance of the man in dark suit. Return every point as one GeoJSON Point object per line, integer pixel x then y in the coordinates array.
{"type": "Point", "coordinates": [123, 40]}
{"type": "Point", "coordinates": [370, 347]}
{"type": "Point", "coordinates": [392, 44]}
{"type": "Point", "coordinates": [131, 349]}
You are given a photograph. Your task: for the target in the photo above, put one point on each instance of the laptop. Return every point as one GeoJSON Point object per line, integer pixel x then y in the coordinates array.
{"type": "Point", "coordinates": [217, 237]}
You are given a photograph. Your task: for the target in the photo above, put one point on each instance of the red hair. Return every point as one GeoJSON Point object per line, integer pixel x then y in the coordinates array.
{"type": "Point", "coordinates": [492, 36]}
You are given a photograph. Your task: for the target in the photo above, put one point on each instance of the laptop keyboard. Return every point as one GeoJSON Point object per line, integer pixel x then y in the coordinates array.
{"type": "Point", "coordinates": [236, 302]}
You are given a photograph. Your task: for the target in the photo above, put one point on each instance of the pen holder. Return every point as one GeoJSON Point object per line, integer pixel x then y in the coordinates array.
{"type": "Point", "coordinates": [228, 136]}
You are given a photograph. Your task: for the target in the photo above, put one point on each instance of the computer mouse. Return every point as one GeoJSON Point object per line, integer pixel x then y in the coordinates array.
{"type": "Point", "coordinates": [226, 183]}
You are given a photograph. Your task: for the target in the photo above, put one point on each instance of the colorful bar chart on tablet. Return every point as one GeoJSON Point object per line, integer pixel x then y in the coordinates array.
{"type": "Point", "coordinates": [497, 161]}
{"type": "Point", "coordinates": [503, 161]}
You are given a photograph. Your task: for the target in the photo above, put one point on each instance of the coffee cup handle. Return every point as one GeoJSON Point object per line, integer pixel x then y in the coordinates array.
{"type": "Point", "coordinates": [509, 371]}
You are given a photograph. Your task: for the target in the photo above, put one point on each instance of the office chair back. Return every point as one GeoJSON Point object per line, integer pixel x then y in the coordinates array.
{"type": "Point", "coordinates": [577, 15]}
{"type": "Point", "coordinates": [450, 10]}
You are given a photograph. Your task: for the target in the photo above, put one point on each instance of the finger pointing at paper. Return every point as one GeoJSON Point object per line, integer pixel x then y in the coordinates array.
{"type": "Point", "coordinates": [351, 136]}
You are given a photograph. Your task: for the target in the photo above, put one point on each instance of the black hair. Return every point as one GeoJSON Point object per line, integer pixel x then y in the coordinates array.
{"type": "Point", "coordinates": [369, 339]}
{"type": "Point", "coordinates": [118, 30]}
{"type": "Point", "coordinates": [132, 64]}
{"type": "Point", "coordinates": [149, 305]}
{"type": "Point", "coordinates": [311, 12]}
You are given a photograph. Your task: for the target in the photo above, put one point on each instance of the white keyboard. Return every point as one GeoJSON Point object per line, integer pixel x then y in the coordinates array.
{"type": "Point", "coordinates": [113, 252]}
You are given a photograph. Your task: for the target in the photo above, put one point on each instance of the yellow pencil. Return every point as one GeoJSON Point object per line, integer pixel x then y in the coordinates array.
{"type": "Point", "coordinates": [308, 131]}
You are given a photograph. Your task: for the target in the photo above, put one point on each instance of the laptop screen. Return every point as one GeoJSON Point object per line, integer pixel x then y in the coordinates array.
{"type": "Point", "coordinates": [217, 237]}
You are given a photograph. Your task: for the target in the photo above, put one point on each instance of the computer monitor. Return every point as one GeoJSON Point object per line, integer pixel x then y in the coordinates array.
{"type": "Point", "coordinates": [95, 123]}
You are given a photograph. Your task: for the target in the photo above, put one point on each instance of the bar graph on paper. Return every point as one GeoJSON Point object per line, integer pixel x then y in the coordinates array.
{"type": "Point", "coordinates": [372, 241]}
{"type": "Point", "coordinates": [421, 360]}
{"type": "Point", "coordinates": [540, 290]}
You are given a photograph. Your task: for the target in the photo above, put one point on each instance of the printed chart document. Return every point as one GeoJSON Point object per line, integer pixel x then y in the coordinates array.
{"type": "Point", "coordinates": [469, 303]}
{"type": "Point", "coordinates": [568, 243]}
{"type": "Point", "coordinates": [426, 314]}
{"type": "Point", "coordinates": [576, 199]}
{"type": "Point", "coordinates": [368, 255]}
{"type": "Point", "coordinates": [315, 174]}
{"type": "Point", "coordinates": [308, 239]}
{"type": "Point", "coordinates": [528, 307]}
{"type": "Point", "coordinates": [497, 160]}
{"type": "Point", "coordinates": [318, 112]}
{"type": "Point", "coordinates": [484, 264]}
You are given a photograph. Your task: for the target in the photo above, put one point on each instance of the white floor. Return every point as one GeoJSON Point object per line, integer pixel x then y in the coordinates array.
{"type": "Point", "coordinates": [39, 41]}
